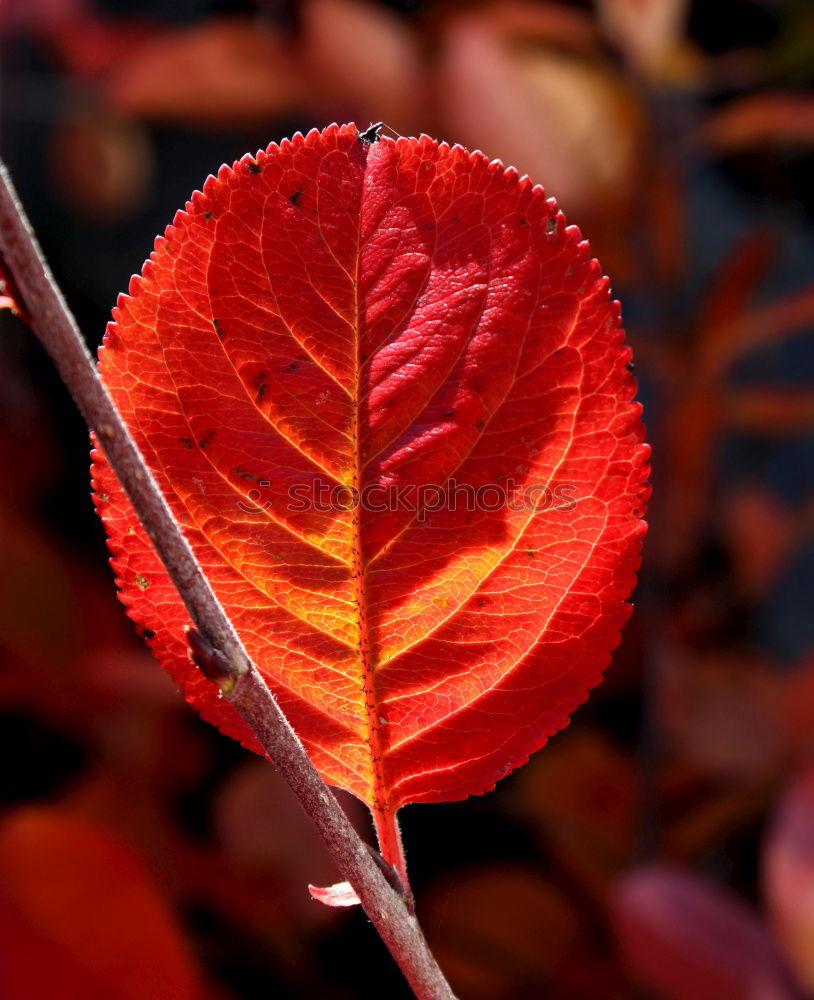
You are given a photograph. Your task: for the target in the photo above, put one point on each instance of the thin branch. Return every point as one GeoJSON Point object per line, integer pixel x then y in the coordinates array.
{"type": "Point", "coordinates": [52, 322]}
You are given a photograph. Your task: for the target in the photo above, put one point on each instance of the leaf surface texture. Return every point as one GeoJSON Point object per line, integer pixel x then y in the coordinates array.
{"type": "Point", "coordinates": [385, 391]}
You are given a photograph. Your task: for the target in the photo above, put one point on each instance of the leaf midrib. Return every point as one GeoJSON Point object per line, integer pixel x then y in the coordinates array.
{"type": "Point", "coordinates": [379, 797]}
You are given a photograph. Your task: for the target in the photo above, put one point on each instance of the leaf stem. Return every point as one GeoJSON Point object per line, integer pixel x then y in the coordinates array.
{"type": "Point", "coordinates": [43, 305]}
{"type": "Point", "coordinates": [391, 846]}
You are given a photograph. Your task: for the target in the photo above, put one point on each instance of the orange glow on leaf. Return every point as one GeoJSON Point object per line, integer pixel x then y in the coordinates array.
{"type": "Point", "coordinates": [331, 339]}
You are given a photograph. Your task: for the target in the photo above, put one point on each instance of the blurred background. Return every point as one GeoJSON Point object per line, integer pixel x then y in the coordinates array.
{"type": "Point", "coordinates": [663, 845]}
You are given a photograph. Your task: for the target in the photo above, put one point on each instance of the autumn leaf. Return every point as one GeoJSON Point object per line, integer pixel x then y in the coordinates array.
{"type": "Point", "coordinates": [779, 118]}
{"type": "Point", "coordinates": [385, 391]}
{"type": "Point", "coordinates": [81, 917]}
{"type": "Point", "coordinates": [339, 36]}
{"type": "Point", "coordinates": [221, 73]}
{"type": "Point", "coordinates": [687, 940]}
{"type": "Point", "coordinates": [495, 927]}
{"type": "Point", "coordinates": [788, 874]}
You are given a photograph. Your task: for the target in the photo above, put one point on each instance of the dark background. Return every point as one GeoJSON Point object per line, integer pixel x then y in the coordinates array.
{"type": "Point", "coordinates": [661, 846]}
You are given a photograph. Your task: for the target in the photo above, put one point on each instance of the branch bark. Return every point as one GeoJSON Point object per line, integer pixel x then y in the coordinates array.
{"type": "Point", "coordinates": [52, 322]}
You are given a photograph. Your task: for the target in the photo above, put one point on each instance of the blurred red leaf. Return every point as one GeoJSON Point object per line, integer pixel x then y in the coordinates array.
{"type": "Point", "coordinates": [650, 33]}
{"type": "Point", "coordinates": [35, 574]}
{"type": "Point", "coordinates": [729, 327]}
{"type": "Point", "coordinates": [778, 409]}
{"type": "Point", "coordinates": [582, 793]}
{"type": "Point", "coordinates": [757, 120]}
{"type": "Point", "coordinates": [788, 873]}
{"type": "Point", "coordinates": [91, 46]}
{"type": "Point", "coordinates": [697, 415]}
{"type": "Point", "coordinates": [724, 713]}
{"type": "Point", "coordinates": [366, 62]}
{"type": "Point", "coordinates": [761, 534]}
{"type": "Point", "coordinates": [698, 816]}
{"type": "Point", "coordinates": [39, 15]}
{"type": "Point", "coordinates": [732, 289]}
{"type": "Point", "coordinates": [499, 927]}
{"type": "Point", "coordinates": [224, 72]}
{"type": "Point", "coordinates": [261, 834]}
{"type": "Point", "coordinates": [101, 164]}
{"type": "Point", "coordinates": [81, 918]}
{"type": "Point", "coordinates": [553, 113]}
{"type": "Point", "coordinates": [761, 326]}
{"type": "Point", "coordinates": [687, 940]}
{"type": "Point", "coordinates": [542, 22]}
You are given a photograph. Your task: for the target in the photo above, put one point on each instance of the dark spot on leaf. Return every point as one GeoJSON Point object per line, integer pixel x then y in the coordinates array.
{"type": "Point", "coordinates": [631, 367]}
{"type": "Point", "coordinates": [295, 196]}
{"type": "Point", "coordinates": [449, 414]}
{"type": "Point", "coordinates": [524, 222]}
{"type": "Point", "coordinates": [531, 553]}
{"type": "Point", "coordinates": [142, 582]}
{"type": "Point", "coordinates": [292, 366]}
{"type": "Point", "coordinates": [254, 167]}
{"type": "Point", "coordinates": [206, 439]}
{"type": "Point", "coordinates": [481, 602]}
{"type": "Point", "coordinates": [262, 389]}
{"type": "Point", "coordinates": [569, 271]}
{"type": "Point", "coordinates": [550, 227]}
{"type": "Point", "coordinates": [245, 474]}
{"type": "Point", "coordinates": [147, 633]}
{"type": "Point", "coordinates": [187, 443]}
{"type": "Point", "coordinates": [480, 423]}
{"type": "Point", "coordinates": [104, 497]}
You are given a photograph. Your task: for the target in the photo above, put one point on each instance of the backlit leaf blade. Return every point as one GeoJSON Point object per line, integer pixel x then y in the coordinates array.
{"type": "Point", "coordinates": [412, 322]}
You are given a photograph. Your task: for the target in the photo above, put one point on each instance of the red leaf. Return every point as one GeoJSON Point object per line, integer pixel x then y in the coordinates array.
{"type": "Point", "coordinates": [503, 931]}
{"type": "Point", "coordinates": [217, 73]}
{"type": "Point", "coordinates": [335, 315]}
{"type": "Point", "coordinates": [10, 297]}
{"type": "Point", "coordinates": [582, 796]}
{"type": "Point", "coordinates": [81, 918]}
{"type": "Point", "coordinates": [758, 120]}
{"type": "Point", "coordinates": [789, 874]}
{"type": "Point", "coordinates": [341, 894]}
{"type": "Point", "coordinates": [686, 940]}
{"type": "Point", "coordinates": [339, 36]}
